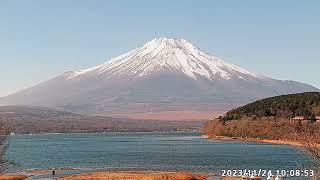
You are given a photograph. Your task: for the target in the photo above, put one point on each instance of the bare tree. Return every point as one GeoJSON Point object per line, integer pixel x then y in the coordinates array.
{"type": "Point", "coordinates": [4, 132]}
{"type": "Point", "coordinates": [310, 146]}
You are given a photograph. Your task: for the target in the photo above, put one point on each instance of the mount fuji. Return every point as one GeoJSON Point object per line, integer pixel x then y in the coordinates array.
{"type": "Point", "coordinates": [165, 77]}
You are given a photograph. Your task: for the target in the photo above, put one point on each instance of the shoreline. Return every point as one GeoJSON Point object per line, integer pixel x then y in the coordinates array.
{"type": "Point", "coordinates": [137, 175]}
{"type": "Point", "coordinates": [266, 141]}
{"type": "Point", "coordinates": [105, 174]}
{"type": "Point", "coordinates": [104, 132]}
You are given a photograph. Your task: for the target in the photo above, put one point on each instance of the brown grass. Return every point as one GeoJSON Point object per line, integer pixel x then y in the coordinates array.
{"type": "Point", "coordinates": [13, 177]}
{"type": "Point", "coordinates": [240, 178]}
{"type": "Point", "coordinates": [136, 176]}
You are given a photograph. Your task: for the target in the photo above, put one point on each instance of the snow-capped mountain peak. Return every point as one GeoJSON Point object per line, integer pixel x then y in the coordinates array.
{"type": "Point", "coordinates": [165, 76]}
{"type": "Point", "coordinates": [166, 54]}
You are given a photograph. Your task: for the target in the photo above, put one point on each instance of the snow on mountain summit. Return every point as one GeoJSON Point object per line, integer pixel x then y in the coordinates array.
{"type": "Point", "coordinates": [166, 54]}
{"type": "Point", "coordinates": [164, 75]}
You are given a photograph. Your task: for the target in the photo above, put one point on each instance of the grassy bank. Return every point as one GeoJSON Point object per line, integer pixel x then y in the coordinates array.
{"type": "Point", "coordinates": [137, 176]}
{"type": "Point", "coordinates": [13, 177]}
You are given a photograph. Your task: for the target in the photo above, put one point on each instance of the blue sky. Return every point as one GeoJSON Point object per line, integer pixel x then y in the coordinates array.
{"type": "Point", "coordinates": [42, 39]}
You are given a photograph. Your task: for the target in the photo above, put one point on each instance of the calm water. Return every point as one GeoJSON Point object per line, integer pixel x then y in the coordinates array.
{"type": "Point", "coordinates": [147, 151]}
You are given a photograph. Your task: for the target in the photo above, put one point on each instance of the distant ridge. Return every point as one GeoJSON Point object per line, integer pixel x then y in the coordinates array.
{"type": "Point", "coordinates": [28, 119]}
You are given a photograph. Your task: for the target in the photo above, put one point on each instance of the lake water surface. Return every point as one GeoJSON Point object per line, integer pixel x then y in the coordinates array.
{"type": "Point", "coordinates": [147, 151]}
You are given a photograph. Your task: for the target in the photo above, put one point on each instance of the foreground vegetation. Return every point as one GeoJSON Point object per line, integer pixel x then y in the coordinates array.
{"type": "Point", "coordinates": [4, 132]}
{"type": "Point", "coordinates": [138, 176]}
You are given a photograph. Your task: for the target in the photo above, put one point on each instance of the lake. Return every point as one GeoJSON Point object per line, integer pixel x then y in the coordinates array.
{"type": "Point", "coordinates": [172, 151]}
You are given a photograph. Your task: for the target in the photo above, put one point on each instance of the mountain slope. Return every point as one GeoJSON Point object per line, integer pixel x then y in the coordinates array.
{"type": "Point", "coordinates": [163, 75]}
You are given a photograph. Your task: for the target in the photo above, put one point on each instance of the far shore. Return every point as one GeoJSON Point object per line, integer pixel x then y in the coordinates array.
{"type": "Point", "coordinates": [268, 141]}
{"type": "Point", "coordinates": [103, 132]}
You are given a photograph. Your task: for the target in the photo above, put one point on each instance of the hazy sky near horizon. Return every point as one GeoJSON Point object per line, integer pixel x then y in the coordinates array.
{"type": "Point", "coordinates": [40, 39]}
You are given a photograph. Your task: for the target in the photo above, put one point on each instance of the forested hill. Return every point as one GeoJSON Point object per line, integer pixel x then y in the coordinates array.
{"type": "Point", "coordinates": [301, 104]}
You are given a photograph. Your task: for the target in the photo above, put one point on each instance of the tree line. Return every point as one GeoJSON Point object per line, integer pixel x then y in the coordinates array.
{"type": "Point", "coordinates": [301, 104]}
